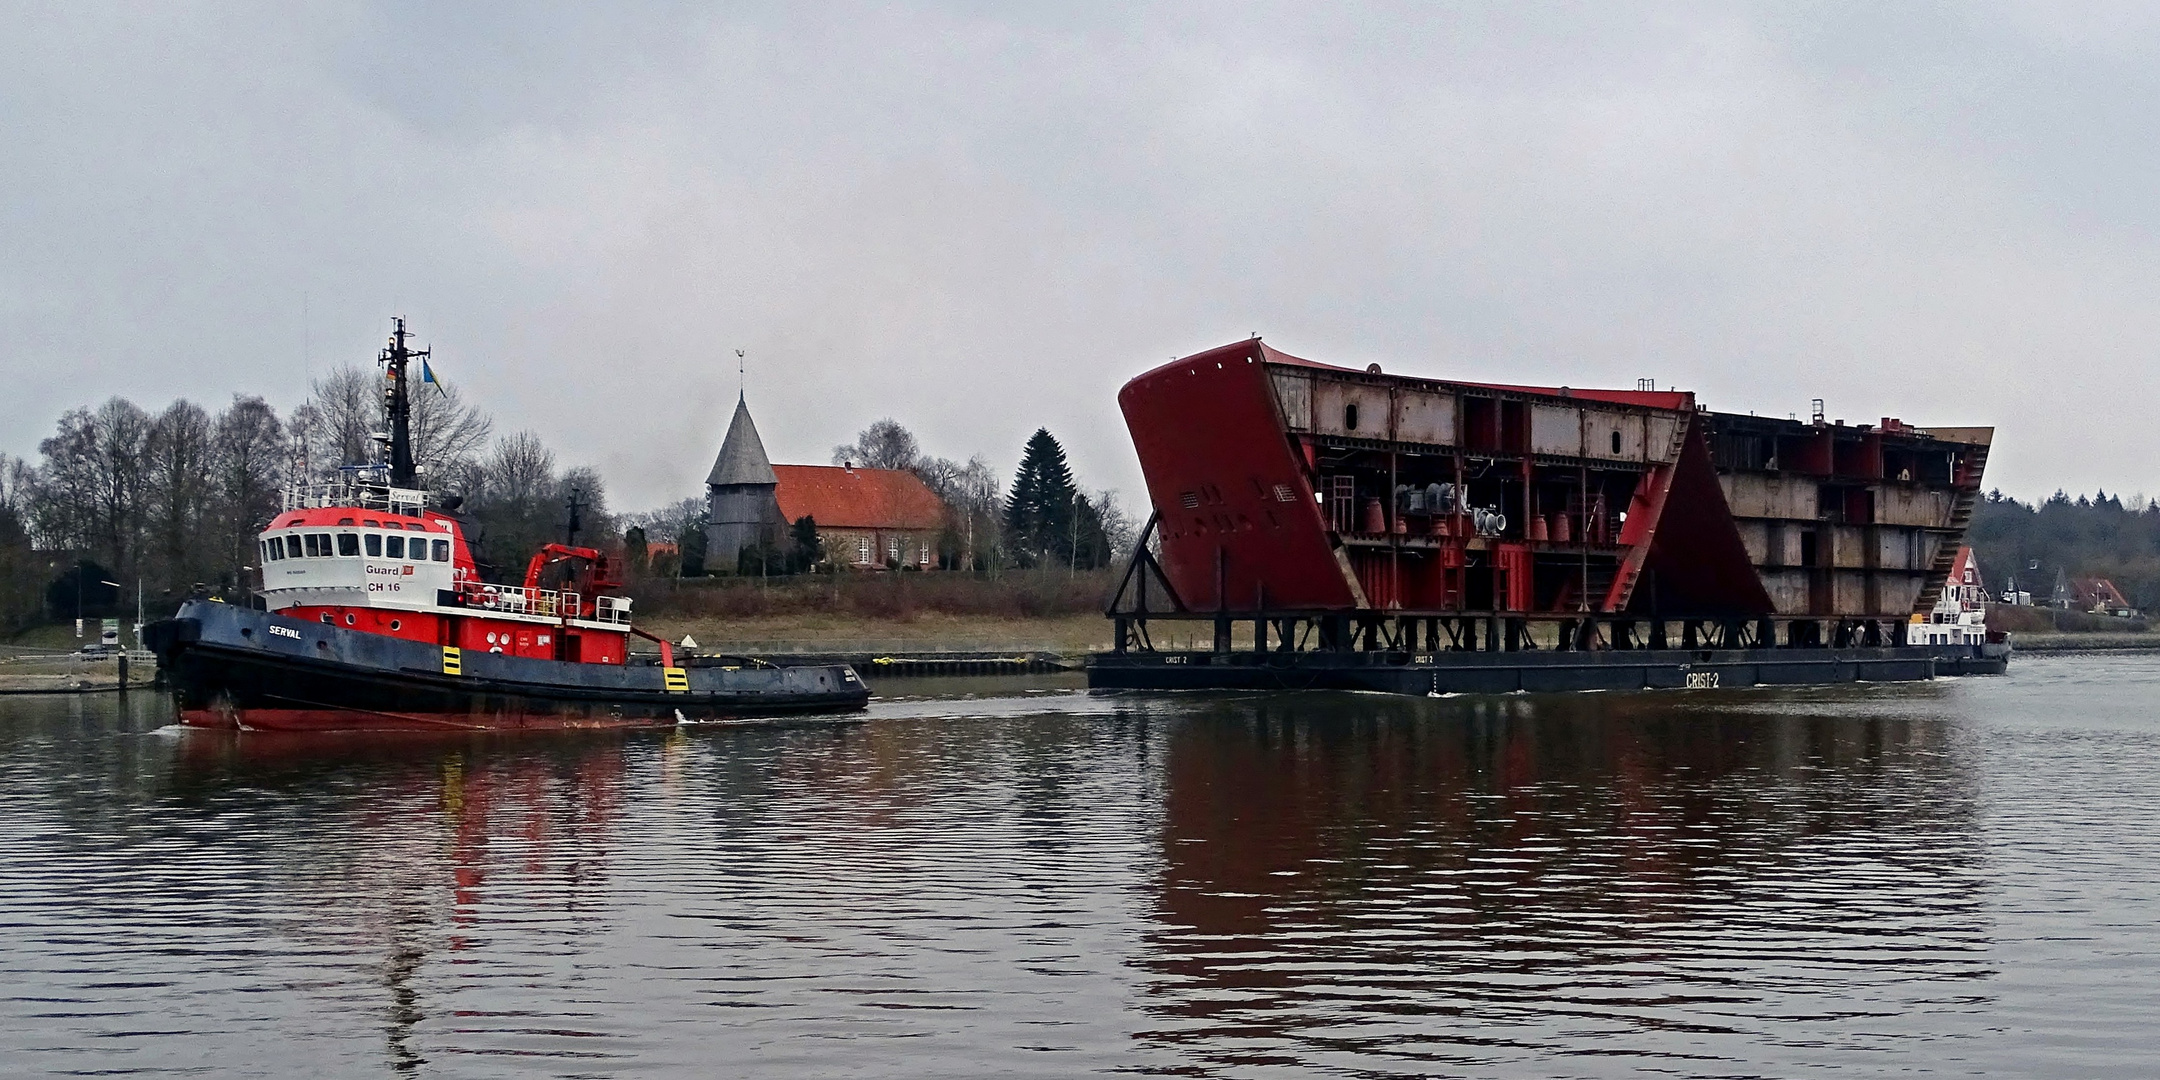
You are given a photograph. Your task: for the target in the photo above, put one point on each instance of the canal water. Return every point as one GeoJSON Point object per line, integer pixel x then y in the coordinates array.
{"type": "Point", "coordinates": [1021, 878]}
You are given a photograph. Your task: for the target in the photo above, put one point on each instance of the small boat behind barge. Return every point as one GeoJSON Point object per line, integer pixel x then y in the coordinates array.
{"type": "Point", "coordinates": [375, 617]}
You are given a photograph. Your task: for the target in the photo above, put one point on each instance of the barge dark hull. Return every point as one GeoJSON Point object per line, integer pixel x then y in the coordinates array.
{"type": "Point", "coordinates": [235, 668]}
{"type": "Point", "coordinates": [1537, 671]}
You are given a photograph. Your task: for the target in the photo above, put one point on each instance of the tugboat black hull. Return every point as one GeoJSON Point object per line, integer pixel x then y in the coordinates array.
{"type": "Point", "coordinates": [236, 668]}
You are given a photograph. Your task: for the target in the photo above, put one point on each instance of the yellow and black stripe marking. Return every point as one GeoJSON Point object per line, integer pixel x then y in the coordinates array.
{"type": "Point", "coordinates": [676, 679]}
{"type": "Point", "coordinates": [453, 661]}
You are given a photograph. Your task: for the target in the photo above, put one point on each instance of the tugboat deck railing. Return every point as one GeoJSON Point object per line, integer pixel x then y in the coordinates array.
{"type": "Point", "coordinates": [409, 502]}
{"type": "Point", "coordinates": [545, 603]}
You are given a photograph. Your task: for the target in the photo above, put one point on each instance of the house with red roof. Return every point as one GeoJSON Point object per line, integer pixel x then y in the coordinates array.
{"type": "Point", "coordinates": [867, 518]}
{"type": "Point", "coordinates": [2100, 596]}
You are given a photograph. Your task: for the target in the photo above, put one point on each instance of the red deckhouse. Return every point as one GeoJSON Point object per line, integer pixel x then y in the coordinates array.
{"type": "Point", "coordinates": [375, 558]}
{"type": "Point", "coordinates": [1287, 491]}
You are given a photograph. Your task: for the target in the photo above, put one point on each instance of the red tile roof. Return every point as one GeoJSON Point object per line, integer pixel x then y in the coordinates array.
{"type": "Point", "coordinates": [857, 498]}
{"type": "Point", "coordinates": [2098, 592]}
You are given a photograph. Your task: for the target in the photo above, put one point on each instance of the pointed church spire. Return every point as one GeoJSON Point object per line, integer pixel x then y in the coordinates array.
{"type": "Point", "coordinates": [742, 457]}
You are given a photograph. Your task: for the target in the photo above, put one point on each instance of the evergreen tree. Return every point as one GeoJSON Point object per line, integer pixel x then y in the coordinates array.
{"type": "Point", "coordinates": [806, 548]}
{"type": "Point", "coordinates": [691, 543]}
{"type": "Point", "coordinates": [1039, 511]}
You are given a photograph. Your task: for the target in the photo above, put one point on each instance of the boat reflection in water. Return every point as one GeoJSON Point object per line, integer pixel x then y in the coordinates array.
{"type": "Point", "coordinates": [415, 830]}
{"type": "Point", "coordinates": [1405, 886]}
{"type": "Point", "coordinates": [1040, 882]}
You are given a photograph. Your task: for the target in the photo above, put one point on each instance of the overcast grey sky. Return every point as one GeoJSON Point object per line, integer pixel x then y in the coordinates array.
{"type": "Point", "coordinates": [980, 219]}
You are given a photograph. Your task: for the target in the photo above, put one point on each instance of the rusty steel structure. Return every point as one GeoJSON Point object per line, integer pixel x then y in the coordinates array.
{"type": "Point", "coordinates": [1331, 508]}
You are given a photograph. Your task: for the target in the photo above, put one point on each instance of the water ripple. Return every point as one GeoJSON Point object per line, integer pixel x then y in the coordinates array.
{"type": "Point", "coordinates": [1955, 879]}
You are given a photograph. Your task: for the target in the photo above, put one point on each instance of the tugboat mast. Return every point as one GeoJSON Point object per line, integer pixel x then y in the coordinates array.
{"type": "Point", "coordinates": [395, 356]}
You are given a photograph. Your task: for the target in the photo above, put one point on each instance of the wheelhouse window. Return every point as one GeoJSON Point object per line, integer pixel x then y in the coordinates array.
{"type": "Point", "coordinates": [292, 546]}
{"type": "Point", "coordinates": [348, 544]}
{"type": "Point", "coordinates": [442, 551]}
{"type": "Point", "coordinates": [374, 545]}
{"type": "Point", "coordinates": [322, 542]}
{"type": "Point", "coordinates": [394, 546]}
{"type": "Point", "coordinates": [314, 547]}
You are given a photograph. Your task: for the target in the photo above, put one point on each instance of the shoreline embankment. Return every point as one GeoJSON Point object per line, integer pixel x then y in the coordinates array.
{"type": "Point", "coordinates": [2033, 642]}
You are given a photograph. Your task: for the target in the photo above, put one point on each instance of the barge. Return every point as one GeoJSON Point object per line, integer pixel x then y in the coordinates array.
{"type": "Point", "coordinates": [1353, 528]}
{"type": "Point", "coordinates": [374, 615]}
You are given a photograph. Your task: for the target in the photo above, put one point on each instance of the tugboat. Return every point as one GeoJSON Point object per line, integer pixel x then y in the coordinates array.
{"type": "Point", "coordinates": [1956, 628]}
{"type": "Point", "coordinates": [375, 617]}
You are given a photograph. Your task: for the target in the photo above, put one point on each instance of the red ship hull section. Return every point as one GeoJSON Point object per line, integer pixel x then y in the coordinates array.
{"type": "Point", "coordinates": [1240, 527]}
{"type": "Point", "coordinates": [1697, 561]}
{"type": "Point", "coordinates": [1242, 531]}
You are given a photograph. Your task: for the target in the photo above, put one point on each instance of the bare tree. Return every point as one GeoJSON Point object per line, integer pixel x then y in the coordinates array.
{"type": "Point", "coordinates": [89, 494]}
{"type": "Point", "coordinates": [520, 502]}
{"type": "Point", "coordinates": [123, 432]}
{"type": "Point", "coordinates": [348, 410]}
{"type": "Point", "coordinates": [1118, 527]}
{"type": "Point", "coordinates": [511, 495]}
{"type": "Point", "coordinates": [22, 571]}
{"type": "Point", "coordinates": [671, 522]}
{"type": "Point", "coordinates": [940, 475]}
{"type": "Point", "coordinates": [247, 470]}
{"type": "Point", "coordinates": [974, 504]}
{"type": "Point", "coordinates": [598, 526]}
{"type": "Point", "coordinates": [177, 492]}
{"type": "Point", "coordinates": [521, 470]}
{"type": "Point", "coordinates": [882, 445]}
{"type": "Point", "coordinates": [446, 432]}
{"type": "Point", "coordinates": [63, 496]}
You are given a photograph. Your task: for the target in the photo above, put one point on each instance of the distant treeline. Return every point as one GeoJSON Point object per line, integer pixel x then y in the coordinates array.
{"type": "Point", "coordinates": [2097, 536]}
{"type": "Point", "coordinates": [174, 499]}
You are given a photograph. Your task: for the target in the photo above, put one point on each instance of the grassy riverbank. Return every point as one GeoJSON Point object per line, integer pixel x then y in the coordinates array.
{"type": "Point", "coordinates": [1045, 611]}
{"type": "Point", "coordinates": [2082, 642]}
{"type": "Point", "coordinates": [1064, 635]}
{"type": "Point", "coordinates": [2046, 630]}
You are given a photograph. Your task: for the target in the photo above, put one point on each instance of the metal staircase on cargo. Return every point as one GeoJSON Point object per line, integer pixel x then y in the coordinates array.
{"type": "Point", "coordinates": [1630, 570]}
{"type": "Point", "coordinates": [1961, 515]}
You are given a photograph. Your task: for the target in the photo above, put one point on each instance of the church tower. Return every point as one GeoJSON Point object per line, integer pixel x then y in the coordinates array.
{"type": "Point", "coordinates": [738, 495]}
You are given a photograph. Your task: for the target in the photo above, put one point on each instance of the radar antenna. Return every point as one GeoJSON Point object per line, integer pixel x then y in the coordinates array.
{"type": "Point", "coordinates": [395, 357]}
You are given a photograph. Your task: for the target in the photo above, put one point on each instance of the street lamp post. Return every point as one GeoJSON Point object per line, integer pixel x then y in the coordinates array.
{"type": "Point", "coordinates": [79, 565]}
